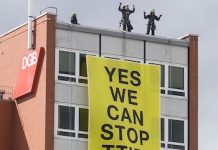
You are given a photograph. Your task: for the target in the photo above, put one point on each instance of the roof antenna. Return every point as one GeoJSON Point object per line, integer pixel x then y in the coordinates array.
{"type": "Point", "coordinates": [30, 33]}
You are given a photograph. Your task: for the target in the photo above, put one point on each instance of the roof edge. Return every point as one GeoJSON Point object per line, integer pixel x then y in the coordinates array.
{"type": "Point", "coordinates": [187, 35]}
{"type": "Point", "coordinates": [16, 28]}
{"type": "Point", "coordinates": [120, 33]}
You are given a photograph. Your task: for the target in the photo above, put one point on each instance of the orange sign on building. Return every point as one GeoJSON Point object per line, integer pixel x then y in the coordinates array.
{"type": "Point", "coordinates": [27, 72]}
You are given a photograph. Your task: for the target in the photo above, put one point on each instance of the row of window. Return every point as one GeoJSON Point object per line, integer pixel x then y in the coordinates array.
{"type": "Point", "coordinates": [72, 68]}
{"type": "Point", "coordinates": [72, 122]}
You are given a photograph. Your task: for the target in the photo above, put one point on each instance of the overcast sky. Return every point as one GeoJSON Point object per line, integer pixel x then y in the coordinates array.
{"type": "Point", "coordinates": [180, 17]}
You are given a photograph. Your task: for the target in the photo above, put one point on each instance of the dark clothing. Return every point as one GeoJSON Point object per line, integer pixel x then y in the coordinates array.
{"type": "Point", "coordinates": [126, 23]}
{"type": "Point", "coordinates": [74, 20]}
{"type": "Point", "coordinates": [125, 18]}
{"type": "Point", "coordinates": [151, 25]}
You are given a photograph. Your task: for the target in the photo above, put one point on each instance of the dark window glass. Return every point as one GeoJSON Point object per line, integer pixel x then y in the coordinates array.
{"type": "Point", "coordinates": [176, 77]}
{"type": "Point", "coordinates": [163, 145]}
{"type": "Point", "coordinates": [63, 78]}
{"type": "Point", "coordinates": [162, 129]}
{"type": "Point", "coordinates": [66, 79]}
{"type": "Point", "coordinates": [83, 67]}
{"type": "Point", "coordinates": [176, 131]}
{"type": "Point", "coordinates": [67, 62]}
{"type": "Point", "coordinates": [178, 147]}
{"type": "Point", "coordinates": [162, 91]}
{"type": "Point", "coordinates": [176, 93]}
{"type": "Point", "coordinates": [83, 136]}
{"type": "Point", "coordinates": [66, 133]}
{"type": "Point", "coordinates": [83, 81]}
{"type": "Point", "coordinates": [66, 117]}
{"type": "Point", "coordinates": [83, 119]}
{"type": "Point", "coordinates": [162, 73]}
{"type": "Point", "coordinates": [72, 79]}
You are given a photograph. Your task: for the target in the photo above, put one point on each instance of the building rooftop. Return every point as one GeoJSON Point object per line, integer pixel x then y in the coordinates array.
{"type": "Point", "coordinates": [111, 32]}
{"type": "Point", "coordinates": [120, 33]}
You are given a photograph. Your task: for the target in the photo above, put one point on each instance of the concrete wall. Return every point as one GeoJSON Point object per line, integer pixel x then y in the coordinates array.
{"type": "Point", "coordinates": [123, 47]}
{"type": "Point", "coordinates": [167, 53]}
{"type": "Point", "coordinates": [77, 40]}
{"type": "Point", "coordinates": [72, 94]}
{"type": "Point", "coordinates": [63, 144]}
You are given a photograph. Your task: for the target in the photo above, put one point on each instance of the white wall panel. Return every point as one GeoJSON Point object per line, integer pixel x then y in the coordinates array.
{"type": "Point", "coordinates": [158, 52]}
{"type": "Point", "coordinates": [62, 144]}
{"type": "Point", "coordinates": [77, 40]}
{"type": "Point", "coordinates": [134, 48]}
{"type": "Point", "coordinates": [177, 108]}
{"type": "Point", "coordinates": [111, 45]}
{"type": "Point", "coordinates": [179, 55]}
{"type": "Point", "coordinates": [73, 94]}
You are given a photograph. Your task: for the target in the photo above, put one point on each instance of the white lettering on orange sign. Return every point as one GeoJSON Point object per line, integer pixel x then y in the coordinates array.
{"type": "Point", "coordinates": [29, 60]}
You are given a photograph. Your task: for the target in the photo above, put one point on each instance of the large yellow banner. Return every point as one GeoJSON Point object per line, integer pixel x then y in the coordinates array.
{"type": "Point", "coordinates": [124, 105]}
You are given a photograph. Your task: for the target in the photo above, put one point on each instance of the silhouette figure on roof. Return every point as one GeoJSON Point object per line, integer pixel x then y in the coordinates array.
{"type": "Point", "coordinates": [151, 24]}
{"type": "Point", "coordinates": [125, 17]}
{"type": "Point", "coordinates": [74, 18]}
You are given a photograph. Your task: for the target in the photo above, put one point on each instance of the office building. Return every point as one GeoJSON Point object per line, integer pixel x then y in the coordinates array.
{"type": "Point", "coordinates": [54, 114]}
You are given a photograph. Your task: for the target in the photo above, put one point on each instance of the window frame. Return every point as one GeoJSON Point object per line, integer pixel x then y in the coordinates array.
{"type": "Point", "coordinates": [123, 58]}
{"type": "Point", "coordinates": [76, 131]}
{"type": "Point", "coordinates": [185, 80]}
{"type": "Point", "coordinates": [166, 142]}
{"type": "Point", "coordinates": [166, 86]}
{"type": "Point", "coordinates": [77, 66]}
{"type": "Point", "coordinates": [165, 76]}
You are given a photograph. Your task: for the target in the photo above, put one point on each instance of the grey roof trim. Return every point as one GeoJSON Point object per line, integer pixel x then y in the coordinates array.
{"type": "Point", "coordinates": [187, 35]}
{"type": "Point", "coordinates": [118, 33]}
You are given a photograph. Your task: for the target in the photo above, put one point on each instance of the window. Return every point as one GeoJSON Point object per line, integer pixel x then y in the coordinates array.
{"type": "Point", "coordinates": [162, 132]}
{"type": "Point", "coordinates": [67, 66]}
{"type": "Point", "coordinates": [173, 134]}
{"type": "Point", "coordinates": [83, 123]}
{"type": "Point", "coordinates": [176, 77]}
{"type": "Point", "coordinates": [72, 66]}
{"type": "Point", "coordinates": [82, 68]}
{"type": "Point", "coordinates": [162, 73]}
{"type": "Point", "coordinates": [71, 121]}
{"type": "Point", "coordinates": [176, 81]}
{"type": "Point", "coordinates": [176, 131]}
{"type": "Point", "coordinates": [162, 79]}
{"type": "Point", "coordinates": [173, 79]}
{"type": "Point", "coordinates": [66, 120]}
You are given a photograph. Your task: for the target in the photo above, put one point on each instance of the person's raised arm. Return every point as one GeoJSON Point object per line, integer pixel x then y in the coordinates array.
{"type": "Point", "coordinates": [133, 10]}
{"type": "Point", "coordinates": [158, 18]}
{"type": "Point", "coordinates": [145, 16]}
{"type": "Point", "coordinates": [120, 7]}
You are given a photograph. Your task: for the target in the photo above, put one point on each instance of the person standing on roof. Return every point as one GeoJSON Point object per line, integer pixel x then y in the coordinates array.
{"type": "Point", "coordinates": [125, 17]}
{"type": "Point", "coordinates": [74, 18]}
{"type": "Point", "coordinates": [151, 24]}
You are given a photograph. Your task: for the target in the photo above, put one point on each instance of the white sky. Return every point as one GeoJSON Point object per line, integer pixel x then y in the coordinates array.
{"type": "Point", "coordinates": [179, 18]}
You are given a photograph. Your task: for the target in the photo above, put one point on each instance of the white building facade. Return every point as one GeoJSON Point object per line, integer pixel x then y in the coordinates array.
{"type": "Point", "coordinates": [74, 42]}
